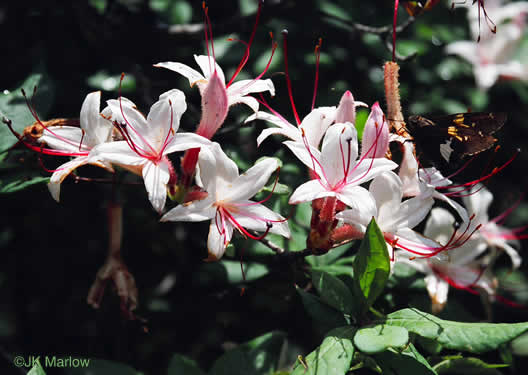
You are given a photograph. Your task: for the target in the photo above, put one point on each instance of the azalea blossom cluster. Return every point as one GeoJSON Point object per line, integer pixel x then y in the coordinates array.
{"type": "Point", "coordinates": [494, 54]}
{"type": "Point", "coordinates": [350, 180]}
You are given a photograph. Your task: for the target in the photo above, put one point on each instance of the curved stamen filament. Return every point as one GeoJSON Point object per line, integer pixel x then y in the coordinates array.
{"type": "Point", "coordinates": [241, 89]}
{"type": "Point", "coordinates": [288, 80]}
{"type": "Point", "coordinates": [468, 185]}
{"type": "Point", "coordinates": [41, 149]}
{"type": "Point", "coordinates": [124, 131]}
{"type": "Point", "coordinates": [47, 128]}
{"type": "Point", "coordinates": [317, 53]}
{"type": "Point", "coordinates": [245, 58]}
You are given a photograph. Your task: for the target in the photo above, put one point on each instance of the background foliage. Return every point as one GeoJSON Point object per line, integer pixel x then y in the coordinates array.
{"type": "Point", "coordinates": [51, 252]}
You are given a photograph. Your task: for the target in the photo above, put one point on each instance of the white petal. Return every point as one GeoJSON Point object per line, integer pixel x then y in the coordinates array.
{"type": "Point", "coordinates": [461, 211]}
{"type": "Point", "coordinates": [248, 86]}
{"type": "Point", "coordinates": [61, 173]}
{"type": "Point", "coordinates": [308, 192]}
{"type": "Point", "coordinates": [124, 112]}
{"type": "Point", "coordinates": [513, 254]}
{"type": "Point", "coordinates": [156, 177]}
{"type": "Point", "coordinates": [375, 141]}
{"type": "Point", "coordinates": [339, 151]}
{"type": "Point", "coordinates": [284, 127]}
{"type": "Point", "coordinates": [316, 123]}
{"type": "Point", "coordinates": [97, 128]}
{"type": "Point", "coordinates": [254, 216]}
{"type": "Point", "coordinates": [195, 211]}
{"type": "Point", "coordinates": [248, 184]}
{"type": "Point", "coordinates": [412, 212]}
{"type": "Point", "coordinates": [478, 203]}
{"type": "Point", "coordinates": [367, 169]}
{"type": "Point", "coordinates": [209, 66]}
{"type": "Point", "coordinates": [465, 49]}
{"type": "Point", "coordinates": [185, 141]}
{"type": "Point", "coordinates": [117, 152]}
{"type": "Point", "coordinates": [164, 117]}
{"type": "Point", "coordinates": [439, 225]}
{"type": "Point", "coordinates": [360, 201]}
{"type": "Point", "coordinates": [408, 172]}
{"type": "Point", "coordinates": [64, 138]}
{"type": "Point", "coordinates": [192, 75]}
{"type": "Point", "coordinates": [363, 206]}
{"type": "Point", "coordinates": [437, 289]}
{"type": "Point", "coordinates": [423, 246]}
{"type": "Point", "coordinates": [310, 158]}
{"type": "Point", "coordinates": [217, 241]}
{"type": "Point", "coordinates": [386, 190]}
{"type": "Point", "coordinates": [247, 100]}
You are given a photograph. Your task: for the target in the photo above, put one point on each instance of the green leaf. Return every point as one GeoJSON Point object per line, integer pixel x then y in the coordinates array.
{"type": "Point", "coordinates": [20, 181]}
{"type": "Point", "coordinates": [328, 258]}
{"type": "Point", "coordinates": [180, 365]}
{"type": "Point", "coordinates": [372, 265]}
{"type": "Point", "coordinates": [36, 369]}
{"type": "Point", "coordinates": [467, 366]}
{"type": "Point", "coordinates": [258, 356]}
{"type": "Point", "coordinates": [409, 361]}
{"type": "Point", "coordinates": [332, 357]}
{"type": "Point", "coordinates": [324, 316]}
{"type": "Point", "coordinates": [471, 337]}
{"type": "Point", "coordinates": [519, 346]}
{"type": "Point", "coordinates": [379, 338]}
{"type": "Point", "coordinates": [333, 291]}
{"type": "Point", "coordinates": [14, 107]}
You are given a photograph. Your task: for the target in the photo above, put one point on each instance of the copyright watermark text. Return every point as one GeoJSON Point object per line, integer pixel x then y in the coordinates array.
{"type": "Point", "coordinates": [50, 361]}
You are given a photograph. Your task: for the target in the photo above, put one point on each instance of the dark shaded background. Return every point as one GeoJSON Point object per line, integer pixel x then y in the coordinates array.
{"type": "Point", "coordinates": [51, 252]}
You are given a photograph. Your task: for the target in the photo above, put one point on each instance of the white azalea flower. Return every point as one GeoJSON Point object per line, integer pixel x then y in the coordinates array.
{"type": "Point", "coordinates": [313, 127]}
{"type": "Point", "coordinates": [493, 57]}
{"type": "Point", "coordinates": [339, 174]}
{"type": "Point", "coordinates": [494, 235]}
{"type": "Point", "coordinates": [228, 203]}
{"type": "Point", "coordinates": [149, 140]}
{"type": "Point", "coordinates": [396, 218]}
{"type": "Point", "coordinates": [463, 269]}
{"type": "Point", "coordinates": [78, 142]}
{"type": "Point", "coordinates": [217, 96]}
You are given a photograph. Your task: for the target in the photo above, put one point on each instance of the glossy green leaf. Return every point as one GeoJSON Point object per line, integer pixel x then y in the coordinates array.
{"type": "Point", "coordinates": [332, 357]}
{"type": "Point", "coordinates": [323, 315]}
{"type": "Point", "coordinates": [258, 356]}
{"type": "Point", "coordinates": [333, 291]}
{"type": "Point", "coordinates": [19, 181]}
{"type": "Point", "coordinates": [408, 361]}
{"type": "Point", "coordinates": [180, 365]}
{"type": "Point", "coordinates": [470, 337]}
{"type": "Point", "coordinates": [14, 106]}
{"type": "Point", "coordinates": [467, 366]}
{"type": "Point", "coordinates": [36, 369]}
{"type": "Point", "coordinates": [379, 338]}
{"type": "Point", "coordinates": [372, 265]}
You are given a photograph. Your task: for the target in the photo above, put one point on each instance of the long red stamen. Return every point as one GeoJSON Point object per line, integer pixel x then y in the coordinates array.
{"type": "Point", "coordinates": [273, 48]}
{"type": "Point", "coordinates": [394, 20]}
{"type": "Point", "coordinates": [208, 30]}
{"type": "Point", "coordinates": [40, 149]}
{"type": "Point", "coordinates": [317, 53]}
{"type": "Point", "coordinates": [245, 58]}
{"type": "Point", "coordinates": [470, 184]}
{"type": "Point", "coordinates": [244, 230]}
{"type": "Point", "coordinates": [288, 81]}
{"type": "Point", "coordinates": [127, 136]}
{"type": "Point", "coordinates": [33, 112]}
